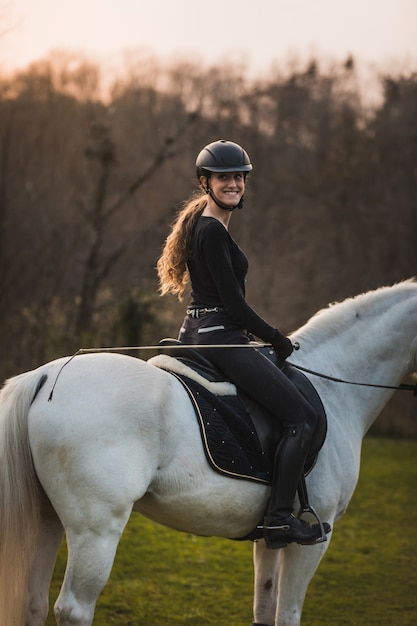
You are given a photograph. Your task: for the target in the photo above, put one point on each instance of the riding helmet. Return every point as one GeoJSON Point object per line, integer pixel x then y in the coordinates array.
{"type": "Point", "coordinates": [222, 156]}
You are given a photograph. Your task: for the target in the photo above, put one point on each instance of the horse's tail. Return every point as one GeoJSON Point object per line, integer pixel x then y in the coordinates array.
{"type": "Point", "coordinates": [19, 497]}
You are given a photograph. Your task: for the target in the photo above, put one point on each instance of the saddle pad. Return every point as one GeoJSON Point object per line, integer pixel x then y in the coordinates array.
{"type": "Point", "coordinates": [230, 441]}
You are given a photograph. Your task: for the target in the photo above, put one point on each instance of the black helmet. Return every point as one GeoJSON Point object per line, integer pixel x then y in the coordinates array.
{"type": "Point", "coordinates": [222, 156]}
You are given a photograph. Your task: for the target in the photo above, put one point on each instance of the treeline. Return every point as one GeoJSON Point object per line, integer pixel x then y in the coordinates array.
{"type": "Point", "coordinates": [90, 182]}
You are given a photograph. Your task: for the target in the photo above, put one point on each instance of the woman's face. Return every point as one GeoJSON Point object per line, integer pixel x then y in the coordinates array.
{"type": "Point", "coordinates": [228, 187]}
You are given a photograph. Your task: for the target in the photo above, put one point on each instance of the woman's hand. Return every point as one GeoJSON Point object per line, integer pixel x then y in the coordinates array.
{"type": "Point", "coordinates": [282, 345]}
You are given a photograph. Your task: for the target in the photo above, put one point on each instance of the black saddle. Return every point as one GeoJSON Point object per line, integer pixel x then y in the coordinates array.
{"type": "Point", "coordinates": [264, 423]}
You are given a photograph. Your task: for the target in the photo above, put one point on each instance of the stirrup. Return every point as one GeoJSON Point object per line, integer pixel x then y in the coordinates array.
{"type": "Point", "coordinates": [309, 509]}
{"type": "Point", "coordinates": [306, 508]}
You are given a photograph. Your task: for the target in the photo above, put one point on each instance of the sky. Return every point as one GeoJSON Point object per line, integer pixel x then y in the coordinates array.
{"type": "Point", "coordinates": [258, 33]}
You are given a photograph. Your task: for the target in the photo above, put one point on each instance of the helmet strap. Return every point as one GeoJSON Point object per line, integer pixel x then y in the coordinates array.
{"type": "Point", "coordinates": [220, 204]}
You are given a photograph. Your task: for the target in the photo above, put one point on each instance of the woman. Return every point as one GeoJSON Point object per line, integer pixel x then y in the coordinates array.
{"type": "Point", "coordinates": [200, 249]}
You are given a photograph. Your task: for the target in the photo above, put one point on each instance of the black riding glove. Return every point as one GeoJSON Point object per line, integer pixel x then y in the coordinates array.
{"type": "Point", "coordinates": [282, 345]}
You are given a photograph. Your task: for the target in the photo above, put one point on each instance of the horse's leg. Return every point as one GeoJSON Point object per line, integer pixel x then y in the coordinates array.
{"type": "Point", "coordinates": [50, 538]}
{"type": "Point", "coordinates": [281, 582]}
{"type": "Point", "coordinates": [91, 552]}
{"type": "Point", "coordinates": [266, 570]}
{"type": "Point", "coordinates": [298, 564]}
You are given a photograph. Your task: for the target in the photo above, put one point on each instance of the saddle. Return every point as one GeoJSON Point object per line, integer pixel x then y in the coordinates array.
{"type": "Point", "coordinates": [239, 437]}
{"type": "Point", "coordinates": [198, 373]}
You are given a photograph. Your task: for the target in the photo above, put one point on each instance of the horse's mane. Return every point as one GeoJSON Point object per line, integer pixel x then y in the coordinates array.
{"type": "Point", "coordinates": [337, 316]}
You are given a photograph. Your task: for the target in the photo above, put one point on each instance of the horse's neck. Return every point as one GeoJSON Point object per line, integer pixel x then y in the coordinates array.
{"type": "Point", "coordinates": [384, 347]}
{"type": "Point", "coordinates": [380, 350]}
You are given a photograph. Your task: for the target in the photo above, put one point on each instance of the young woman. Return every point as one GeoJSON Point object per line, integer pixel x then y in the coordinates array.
{"type": "Point", "coordinates": [200, 249]}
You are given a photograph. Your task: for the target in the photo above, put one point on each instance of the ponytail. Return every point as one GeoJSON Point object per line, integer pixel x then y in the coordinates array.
{"type": "Point", "coordinates": [172, 264]}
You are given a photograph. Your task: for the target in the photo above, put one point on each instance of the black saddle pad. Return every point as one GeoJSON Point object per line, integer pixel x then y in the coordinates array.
{"type": "Point", "coordinates": [230, 440]}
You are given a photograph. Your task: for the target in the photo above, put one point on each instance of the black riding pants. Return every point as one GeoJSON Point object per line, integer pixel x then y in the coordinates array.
{"type": "Point", "coordinates": [249, 369]}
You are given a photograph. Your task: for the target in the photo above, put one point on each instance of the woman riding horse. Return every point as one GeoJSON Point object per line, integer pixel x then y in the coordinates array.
{"type": "Point", "coordinates": [200, 248]}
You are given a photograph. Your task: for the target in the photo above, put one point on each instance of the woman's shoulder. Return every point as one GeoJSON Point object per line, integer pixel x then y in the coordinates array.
{"type": "Point", "coordinates": [211, 225]}
{"type": "Point", "coordinates": [210, 231]}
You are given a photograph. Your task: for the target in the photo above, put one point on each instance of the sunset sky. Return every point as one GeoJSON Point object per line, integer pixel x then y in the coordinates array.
{"type": "Point", "coordinates": [257, 32]}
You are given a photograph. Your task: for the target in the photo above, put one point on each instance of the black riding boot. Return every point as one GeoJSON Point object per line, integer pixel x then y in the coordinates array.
{"type": "Point", "coordinates": [280, 525]}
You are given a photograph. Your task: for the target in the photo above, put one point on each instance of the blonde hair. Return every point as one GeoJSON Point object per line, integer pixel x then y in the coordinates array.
{"type": "Point", "coordinates": [172, 264]}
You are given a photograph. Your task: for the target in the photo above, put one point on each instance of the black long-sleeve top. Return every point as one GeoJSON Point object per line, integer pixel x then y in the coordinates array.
{"type": "Point", "coordinates": [218, 269]}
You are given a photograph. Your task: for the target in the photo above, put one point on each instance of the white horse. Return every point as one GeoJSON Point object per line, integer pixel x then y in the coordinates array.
{"type": "Point", "coordinates": [120, 434]}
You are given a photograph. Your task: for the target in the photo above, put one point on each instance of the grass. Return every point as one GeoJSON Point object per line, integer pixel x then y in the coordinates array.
{"type": "Point", "coordinates": [368, 576]}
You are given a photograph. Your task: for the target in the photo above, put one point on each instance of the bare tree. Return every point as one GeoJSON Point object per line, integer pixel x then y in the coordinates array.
{"type": "Point", "coordinates": [98, 264]}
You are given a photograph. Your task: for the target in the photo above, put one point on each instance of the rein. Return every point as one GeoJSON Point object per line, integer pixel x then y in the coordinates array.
{"type": "Point", "coordinates": [402, 387]}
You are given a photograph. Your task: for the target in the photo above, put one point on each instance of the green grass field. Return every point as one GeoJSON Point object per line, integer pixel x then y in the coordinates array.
{"type": "Point", "coordinates": [368, 576]}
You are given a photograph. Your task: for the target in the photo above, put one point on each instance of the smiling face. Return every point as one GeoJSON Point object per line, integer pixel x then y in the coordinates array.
{"type": "Point", "coordinates": [228, 187]}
